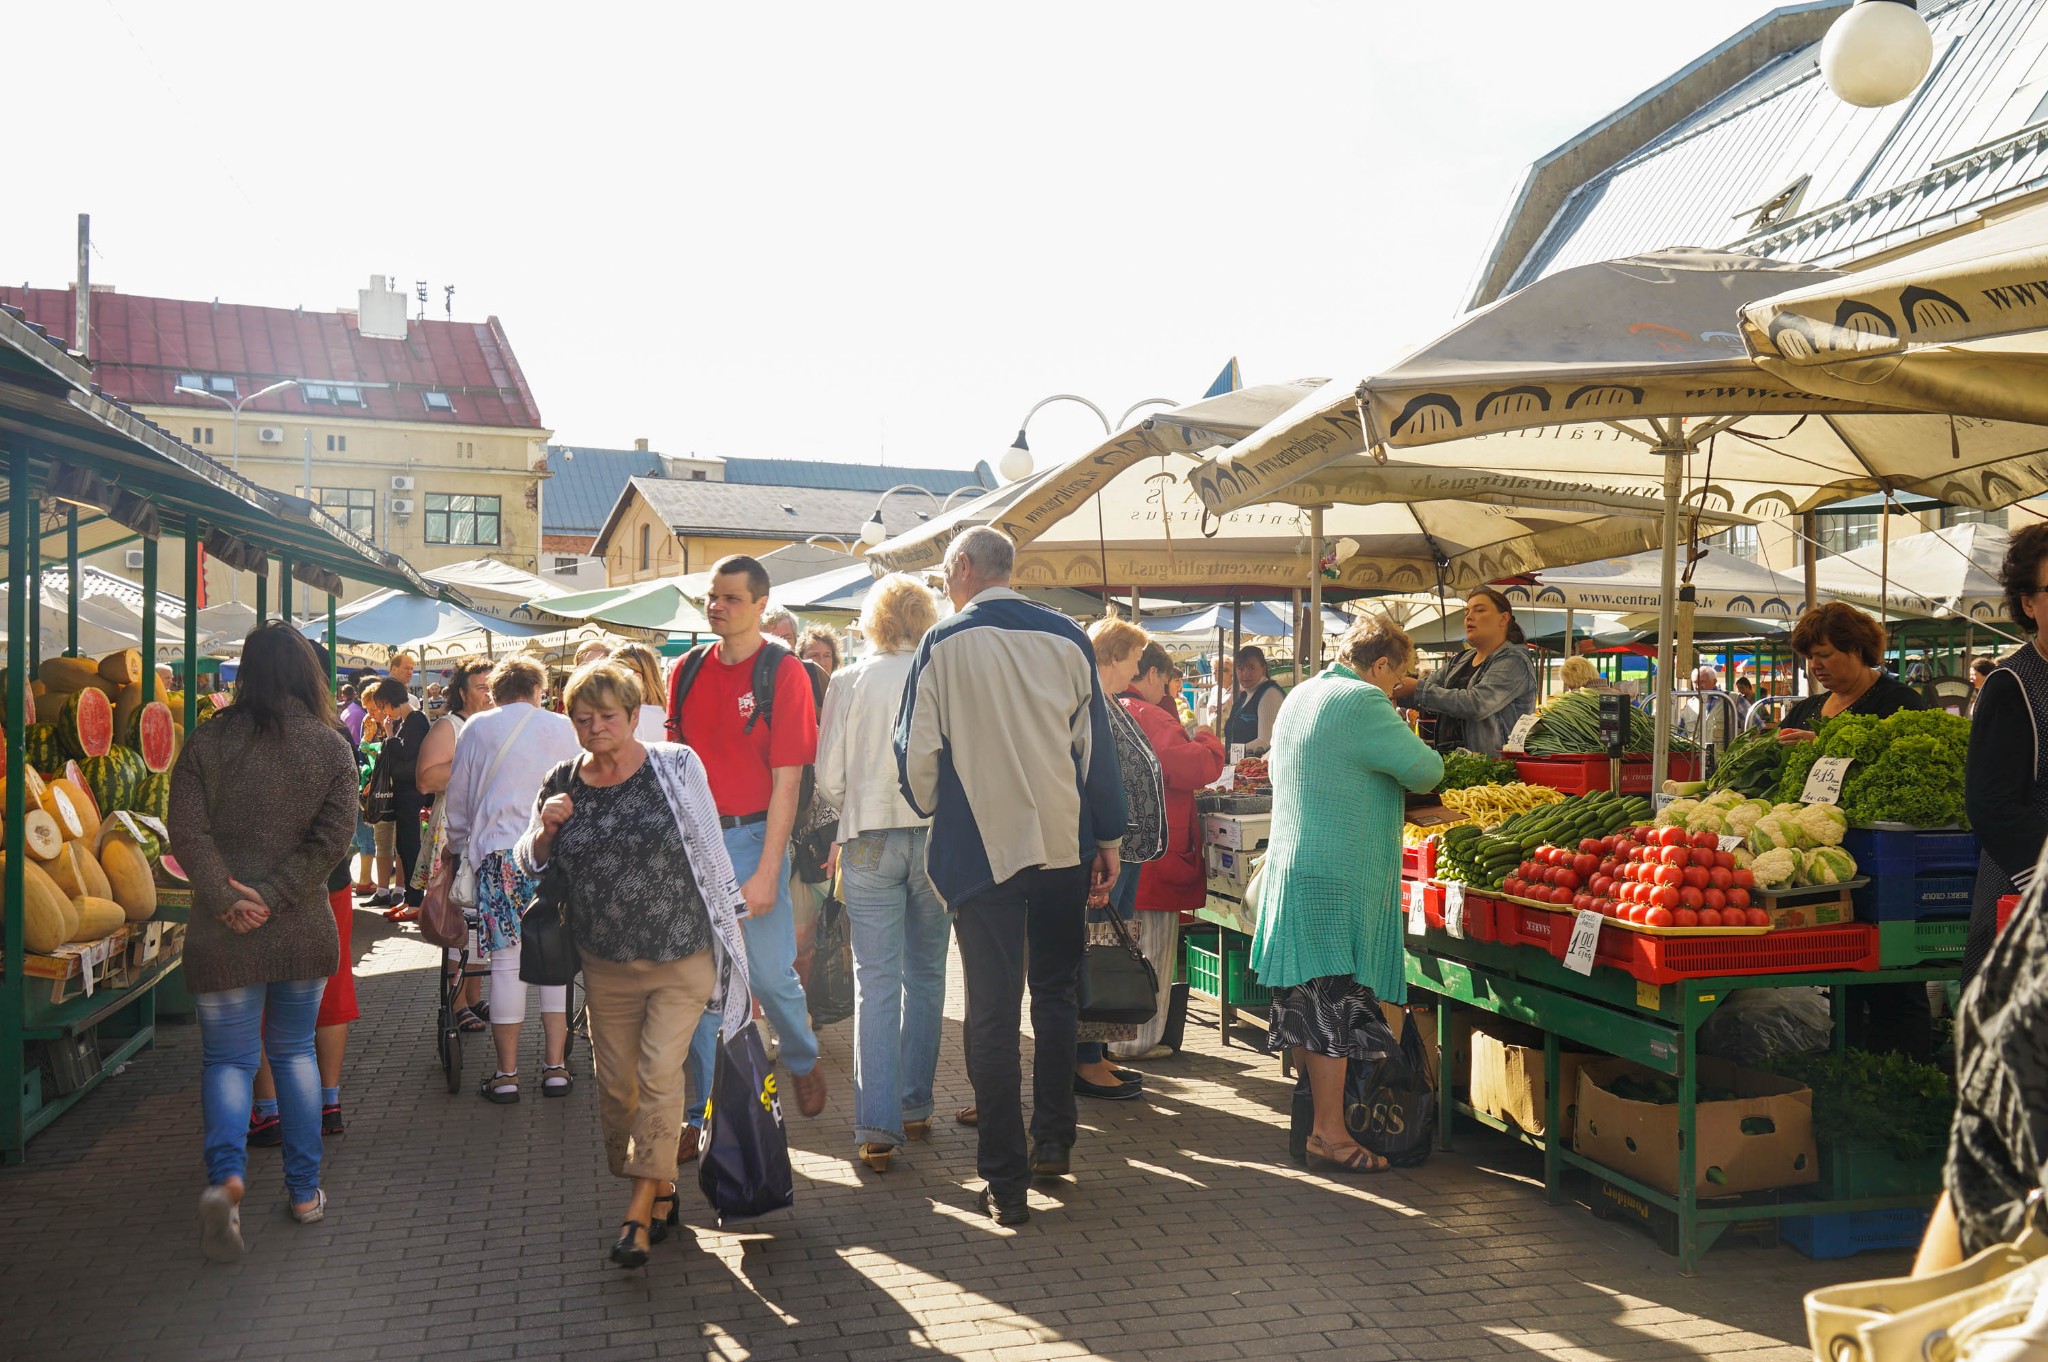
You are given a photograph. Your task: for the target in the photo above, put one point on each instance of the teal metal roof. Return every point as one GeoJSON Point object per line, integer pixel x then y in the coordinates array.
{"type": "Point", "coordinates": [853, 477]}
{"type": "Point", "coordinates": [584, 484]}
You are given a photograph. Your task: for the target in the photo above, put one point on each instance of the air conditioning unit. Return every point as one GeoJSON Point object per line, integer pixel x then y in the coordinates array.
{"type": "Point", "coordinates": [132, 559]}
{"type": "Point", "coordinates": [270, 435]}
{"type": "Point", "coordinates": [401, 505]}
{"type": "Point", "coordinates": [401, 484]}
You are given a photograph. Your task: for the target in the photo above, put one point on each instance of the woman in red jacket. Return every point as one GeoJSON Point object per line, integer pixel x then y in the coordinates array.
{"type": "Point", "coordinates": [1178, 881]}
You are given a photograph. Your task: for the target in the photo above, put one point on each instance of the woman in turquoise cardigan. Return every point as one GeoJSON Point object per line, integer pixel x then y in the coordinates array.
{"type": "Point", "coordinates": [1329, 940]}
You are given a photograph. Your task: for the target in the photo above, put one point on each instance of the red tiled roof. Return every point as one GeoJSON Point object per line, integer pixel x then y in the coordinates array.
{"type": "Point", "coordinates": [142, 345]}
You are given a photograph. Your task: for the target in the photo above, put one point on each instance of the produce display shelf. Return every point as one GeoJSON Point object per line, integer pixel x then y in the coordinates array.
{"type": "Point", "coordinates": [1480, 911]}
{"type": "Point", "coordinates": [1585, 773]}
{"type": "Point", "coordinates": [1623, 925]}
{"type": "Point", "coordinates": [1664, 960]}
{"type": "Point", "coordinates": [80, 1014]}
{"type": "Point", "coordinates": [1216, 958]}
{"type": "Point", "coordinates": [49, 1108]}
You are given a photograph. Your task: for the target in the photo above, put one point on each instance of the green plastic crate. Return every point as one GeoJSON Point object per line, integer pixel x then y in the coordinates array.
{"type": "Point", "coordinates": [1866, 1169]}
{"type": "Point", "coordinates": [1927, 940]}
{"type": "Point", "coordinates": [1227, 976]}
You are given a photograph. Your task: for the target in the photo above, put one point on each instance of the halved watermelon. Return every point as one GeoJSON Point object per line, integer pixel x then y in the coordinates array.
{"type": "Point", "coordinates": [87, 726]}
{"type": "Point", "coordinates": [155, 736]}
{"type": "Point", "coordinates": [169, 865]}
{"type": "Point", "coordinates": [75, 773]}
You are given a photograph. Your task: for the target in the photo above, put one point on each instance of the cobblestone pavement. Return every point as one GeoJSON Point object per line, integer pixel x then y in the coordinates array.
{"type": "Point", "coordinates": [462, 1230]}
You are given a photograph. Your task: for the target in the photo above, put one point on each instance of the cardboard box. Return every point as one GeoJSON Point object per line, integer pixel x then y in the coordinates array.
{"type": "Point", "coordinates": [1230, 866]}
{"type": "Point", "coordinates": [1238, 831]}
{"type": "Point", "coordinates": [1640, 1139]}
{"type": "Point", "coordinates": [1808, 909]}
{"type": "Point", "coordinates": [1507, 1076]}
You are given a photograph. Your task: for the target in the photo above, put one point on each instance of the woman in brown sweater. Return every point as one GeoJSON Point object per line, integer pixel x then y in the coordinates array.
{"type": "Point", "coordinates": [263, 804]}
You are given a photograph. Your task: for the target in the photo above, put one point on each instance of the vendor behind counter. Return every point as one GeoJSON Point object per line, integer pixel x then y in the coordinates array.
{"type": "Point", "coordinates": [1477, 697]}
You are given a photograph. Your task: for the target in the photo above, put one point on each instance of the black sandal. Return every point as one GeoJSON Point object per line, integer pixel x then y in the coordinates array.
{"type": "Point", "coordinates": [626, 1253]}
{"type": "Point", "coordinates": [659, 1228]}
{"type": "Point", "coordinates": [561, 1089]}
{"type": "Point", "coordinates": [469, 1021]}
{"type": "Point", "coordinates": [497, 1089]}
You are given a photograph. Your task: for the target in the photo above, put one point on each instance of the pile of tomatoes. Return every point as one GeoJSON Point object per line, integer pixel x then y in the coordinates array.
{"type": "Point", "coordinates": [1657, 877]}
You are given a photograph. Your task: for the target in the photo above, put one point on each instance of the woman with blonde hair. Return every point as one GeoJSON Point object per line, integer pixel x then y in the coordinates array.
{"type": "Point", "coordinates": [639, 659]}
{"type": "Point", "coordinates": [894, 917]}
{"type": "Point", "coordinates": [633, 833]}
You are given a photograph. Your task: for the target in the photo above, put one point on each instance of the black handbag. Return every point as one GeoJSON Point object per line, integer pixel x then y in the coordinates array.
{"type": "Point", "coordinates": [547, 948]}
{"type": "Point", "coordinates": [1118, 984]}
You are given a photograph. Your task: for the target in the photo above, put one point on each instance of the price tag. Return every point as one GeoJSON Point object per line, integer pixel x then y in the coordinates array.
{"type": "Point", "coordinates": [1824, 781]}
{"type": "Point", "coordinates": [1730, 843]}
{"type": "Point", "coordinates": [1454, 910]}
{"type": "Point", "coordinates": [1417, 922]}
{"type": "Point", "coordinates": [1579, 952]}
{"type": "Point", "coordinates": [1227, 781]}
{"type": "Point", "coordinates": [1518, 736]}
{"type": "Point", "coordinates": [1237, 753]}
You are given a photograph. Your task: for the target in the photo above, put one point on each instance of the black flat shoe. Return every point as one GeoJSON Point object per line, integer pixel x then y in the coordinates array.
{"type": "Point", "coordinates": [1128, 1075]}
{"type": "Point", "coordinates": [664, 1223]}
{"type": "Point", "coordinates": [1001, 1213]}
{"type": "Point", "coordinates": [627, 1253]}
{"type": "Point", "coordinates": [1122, 1092]}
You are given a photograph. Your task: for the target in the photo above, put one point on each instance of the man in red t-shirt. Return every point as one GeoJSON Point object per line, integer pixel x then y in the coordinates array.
{"type": "Point", "coordinates": [755, 767]}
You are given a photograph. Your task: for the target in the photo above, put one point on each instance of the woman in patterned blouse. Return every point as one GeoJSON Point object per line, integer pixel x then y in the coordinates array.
{"type": "Point", "coordinates": [631, 832]}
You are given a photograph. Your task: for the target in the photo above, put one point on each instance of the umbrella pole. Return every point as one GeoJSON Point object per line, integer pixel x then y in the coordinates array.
{"type": "Point", "coordinates": [331, 644]}
{"type": "Point", "coordinates": [71, 558]}
{"type": "Point", "coordinates": [1236, 643]}
{"type": "Point", "coordinates": [195, 589]}
{"type": "Point", "coordinates": [1673, 451]}
{"type": "Point", "coordinates": [1313, 634]}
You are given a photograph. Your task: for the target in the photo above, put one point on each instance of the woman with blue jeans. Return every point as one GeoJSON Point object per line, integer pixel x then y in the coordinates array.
{"type": "Point", "coordinates": [263, 804]}
{"type": "Point", "coordinates": [894, 917]}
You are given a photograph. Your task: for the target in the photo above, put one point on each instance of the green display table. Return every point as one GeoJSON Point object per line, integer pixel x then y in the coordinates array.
{"type": "Point", "coordinates": [1656, 1026]}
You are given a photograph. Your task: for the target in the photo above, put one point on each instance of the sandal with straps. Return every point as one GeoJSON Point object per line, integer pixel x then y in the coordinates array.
{"type": "Point", "coordinates": [556, 1080]}
{"type": "Point", "coordinates": [467, 1020]}
{"type": "Point", "coordinates": [502, 1088]}
{"type": "Point", "coordinates": [664, 1222]}
{"type": "Point", "coordinates": [627, 1252]}
{"type": "Point", "coordinates": [1361, 1162]}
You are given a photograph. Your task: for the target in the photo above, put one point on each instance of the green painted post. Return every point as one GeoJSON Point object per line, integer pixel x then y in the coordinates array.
{"type": "Point", "coordinates": [149, 618]}
{"type": "Point", "coordinates": [34, 539]}
{"type": "Point", "coordinates": [21, 553]}
{"type": "Point", "coordinates": [332, 665]}
{"type": "Point", "coordinates": [71, 558]}
{"type": "Point", "coordinates": [194, 535]}
{"type": "Point", "coordinates": [284, 590]}
{"type": "Point", "coordinates": [263, 595]}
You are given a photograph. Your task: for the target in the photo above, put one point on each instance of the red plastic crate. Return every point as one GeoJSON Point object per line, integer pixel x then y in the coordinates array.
{"type": "Point", "coordinates": [2007, 905]}
{"type": "Point", "coordinates": [1480, 912]}
{"type": "Point", "coordinates": [1667, 959]}
{"type": "Point", "coordinates": [1419, 863]}
{"type": "Point", "coordinates": [1585, 774]}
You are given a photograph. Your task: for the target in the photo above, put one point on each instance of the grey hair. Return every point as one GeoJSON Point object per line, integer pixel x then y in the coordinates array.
{"type": "Point", "coordinates": [775, 615]}
{"type": "Point", "coordinates": [988, 550]}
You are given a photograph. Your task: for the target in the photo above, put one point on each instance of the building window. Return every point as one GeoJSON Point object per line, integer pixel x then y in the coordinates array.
{"type": "Point", "coordinates": [202, 435]}
{"type": "Point", "coordinates": [459, 518]}
{"type": "Point", "coordinates": [355, 507]}
{"type": "Point", "coordinates": [465, 449]}
{"type": "Point", "coordinates": [1739, 540]}
{"type": "Point", "coordinates": [438, 402]}
{"type": "Point", "coordinates": [348, 395]}
{"type": "Point", "coordinates": [697, 475]}
{"type": "Point", "coordinates": [224, 386]}
{"type": "Point", "coordinates": [565, 564]}
{"type": "Point", "coordinates": [646, 547]}
{"type": "Point", "coordinates": [337, 444]}
{"type": "Point", "coordinates": [1967, 515]}
{"type": "Point", "coordinates": [1847, 533]}
{"type": "Point", "coordinates": [316, 392]}
{"type": "Point", "coordinates": [192, 381]}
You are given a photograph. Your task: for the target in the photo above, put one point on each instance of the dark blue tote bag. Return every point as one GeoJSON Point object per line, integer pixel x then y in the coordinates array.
{"type": "Point", "coordinates": [744, 1169]}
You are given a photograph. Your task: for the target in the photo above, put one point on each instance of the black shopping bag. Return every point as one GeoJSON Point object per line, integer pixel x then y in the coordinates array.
{"type": "Point", "coordinates": [830, 992]}
{"type": "Point", "coordinates": [1389, 1105]}
{"type": "Point", "coordinates": [743, 1169]}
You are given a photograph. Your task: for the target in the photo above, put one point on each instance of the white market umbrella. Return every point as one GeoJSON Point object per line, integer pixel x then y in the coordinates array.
{"type": "Point", "coordinates": [1949, 573]}
{"type": "Point", "coordinates": [1723, 584]}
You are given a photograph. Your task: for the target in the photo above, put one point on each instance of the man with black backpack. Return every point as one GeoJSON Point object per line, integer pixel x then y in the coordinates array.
{"type": "Point", "coordinates": [744, 704]}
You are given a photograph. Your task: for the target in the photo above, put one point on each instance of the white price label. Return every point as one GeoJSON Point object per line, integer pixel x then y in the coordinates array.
{"type": "Point", "coordinates": [1579, 953]}
{"type": "Point", "coordinates": [1417, 922]}
{"type": "Point", "coordinates": [1824, 781]}
{"type": "Point", "coordinates": [1518, 736]}
{"type": "Point", "coordinates": [1454, 910]}
{"type": "Point", "coordinates": [1730, 843]}
{"type": "Point", "coordinates": [1237, 753]}
{"type": "Point", "coordinates": [1227, 781]}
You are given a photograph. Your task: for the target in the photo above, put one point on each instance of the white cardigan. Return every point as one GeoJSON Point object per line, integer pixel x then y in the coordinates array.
{"type": "Point", "coordinates": [856, 756]}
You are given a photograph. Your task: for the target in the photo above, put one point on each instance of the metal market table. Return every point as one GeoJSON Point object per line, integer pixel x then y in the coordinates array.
{"type": "Point", "coordinates": [1656, 1025]}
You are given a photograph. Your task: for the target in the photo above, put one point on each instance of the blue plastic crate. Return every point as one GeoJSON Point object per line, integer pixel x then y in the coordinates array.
{"type": "Point", "coordinates": [1852, 1232]}
{"type": "Point", "coordinates": [1887, 853]}
{"type": "Point", "coordinates": [1900, 898]}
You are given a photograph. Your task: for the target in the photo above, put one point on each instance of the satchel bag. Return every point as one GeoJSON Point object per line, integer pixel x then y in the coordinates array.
{"type": "Point", "coordinates": [451, 885]}
{"type": "Point", "coordinates": [547, 946]}
{"type": "Point", "coordinates": [1118, 984]}
{"type": "Point", "coordinates": [1992, 1308]}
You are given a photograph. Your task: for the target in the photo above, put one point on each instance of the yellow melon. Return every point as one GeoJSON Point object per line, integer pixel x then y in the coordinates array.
{"type": "Point", "coordinates": [50, 918]}
{"type": "Point", "coordinates": [73, 809]}
{"type": "Point", "coordinates": [97, 917]}
{"type": "Point", "coordinates": [123, 668]}
{"type": "Point", "coordinates": [132, 882]}
{"type": "Point", "coordinates": [79, 875]}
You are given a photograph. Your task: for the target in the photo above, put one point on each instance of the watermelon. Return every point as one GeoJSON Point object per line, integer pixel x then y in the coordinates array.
{"type": "Point", "coordinates": [169, 865]}
{"type": "Point", "coordinates": [87, 727]}
{"type": "Point", "coordinates": [153, 795]}
{"type": "Point", "coordinates": [40, 745]}
{"type": "Point", "coordinates": [113, 779]}
{"type": "Point", "coordinates": [153, 735]}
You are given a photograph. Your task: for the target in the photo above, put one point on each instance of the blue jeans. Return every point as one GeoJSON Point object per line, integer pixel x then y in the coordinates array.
{"type": "Point", "coordinates": [899, 931]}
{"type": "Point", "coordinates": [771, 968]}
{"type": "Point", "coordinates": [1123, 899]}
{"type": "Point", "coordinates": [237, 1027]}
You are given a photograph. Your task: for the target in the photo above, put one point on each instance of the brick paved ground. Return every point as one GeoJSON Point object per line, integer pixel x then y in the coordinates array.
{"type": "Point", "coordinates": [462, 1230]}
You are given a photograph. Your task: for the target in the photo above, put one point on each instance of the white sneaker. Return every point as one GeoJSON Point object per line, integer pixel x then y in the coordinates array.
{"type": "Point", "coordinates": [220, 1226]}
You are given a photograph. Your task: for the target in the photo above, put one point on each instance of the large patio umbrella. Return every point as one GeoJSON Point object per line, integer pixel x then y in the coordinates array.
{"type": "Point", "coordinates": [1630, 372]}
{"type": "Point", "coordinates": [1260, 619]}
{"type": "Point", "coordinates": [394, 619]}
{"type": "Point", "coordinates": [1946, 573]}
{"type": "Point", "coordinates": [659, 605]}
{"type": "Point", "coordinates": [1723, 584]}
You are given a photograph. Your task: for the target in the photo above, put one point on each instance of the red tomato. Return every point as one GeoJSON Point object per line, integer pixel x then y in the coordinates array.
{"type": "Point", "coordinates": [1567, 878]}
{"type": "Point", "coordinates": [1685, 917]}
{"type": "Point", "coordinates": [1670, 875]}
{"type": "Point", "coordinates": [1696, 876]}
{"type": "Point", "coordinates": [1716, 899]}
{"type": "Point", "coordinates": [1511, 885]}
{"type": "Point", "coordinates": [1667, 897]}
{"type": "Point", "coordinates": [1659, 917]}
{"type": "Point", "coordinates": [1744, 878]}
{"type": "Point", "coordinates": [1720, 878]}
{"type": "Point", "coordinates": [1582, 902]}
{"type": "Point", "coordinates": [1607, 845]}
{"type": "Point", "coordinates": [1608, 865]}
{"type": "Point", "coordinates": [1724, 860]}
{"type": "Point", "coordinates": [1738, 897]}
{"type": "Point", "coordinates": [1584, 864]}
{"type": "Point", "coordinates": [1756, 917]}
{"type": "Point", "coordinates": [1671, 837]}
{"type": "Point", "coordinates": [1689, 897]}
{"type": "Point", "coordinates": [1677, 856]}
{"type": "Point", "coordinates": [1709, 918]}
{"type": "Point", "coordinates": [1590, 845]}
{"type": "Point", "coordinates": [1561, 896]}
{"type": "Point", "coordinates": [1706, 841]}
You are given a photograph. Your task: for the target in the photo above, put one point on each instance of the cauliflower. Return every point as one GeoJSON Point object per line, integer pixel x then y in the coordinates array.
{"type": "Point", "coordinates": [1823, 824]}
{"type": "Point", "coordinates": [1827, 865]}
{"type": "Point", "coordinates": [1723, 799]}
{"type": "Point", "coordinates": [1674, 814]}
{"type": "Point", "coordinates": [1787, 810]}
{"type": "Point", "coordinates": [1775, 868]}
{"type": "Point", "coordinates": [1769, 834]}
{"type": "Point", "coordinates": [1744, 858]}
{"type": "Point", "coordinates": [1741, 819]}
{"type": "Point", "coordinates": [1706, 818]}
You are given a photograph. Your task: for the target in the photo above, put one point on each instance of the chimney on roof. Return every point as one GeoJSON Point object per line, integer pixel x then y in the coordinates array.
{"type": "Point", "coordinates": [380, 311]}
{"type": "Point", "coordinates": [640, 445]}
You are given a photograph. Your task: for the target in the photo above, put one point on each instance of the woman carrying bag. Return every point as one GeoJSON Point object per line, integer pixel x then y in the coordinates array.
{"type": "Point", "coordinates": [630, 834]}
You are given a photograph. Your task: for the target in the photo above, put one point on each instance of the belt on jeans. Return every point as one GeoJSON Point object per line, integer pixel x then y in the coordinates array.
{"type": "Point", "coordinates": [729, 821]}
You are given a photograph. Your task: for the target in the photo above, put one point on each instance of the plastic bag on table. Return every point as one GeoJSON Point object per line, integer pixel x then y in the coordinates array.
{"type": "Point", "coordinates": [1756, 1025]}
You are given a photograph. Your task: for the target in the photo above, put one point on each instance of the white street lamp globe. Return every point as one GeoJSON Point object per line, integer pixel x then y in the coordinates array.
{"type": "Point", "coordinates": [1877, 53]}
{"type": "Point", "coordinates": [874, 532]}
{"type": "Point", "coordinates": [1016, 461]}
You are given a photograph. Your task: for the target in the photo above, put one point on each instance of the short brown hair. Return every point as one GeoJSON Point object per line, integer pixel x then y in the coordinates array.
{"type": "Point", "coordinates": [819, 634]}
{"type": "Point", "coordinates": [1372, 638]}
{"type": "Point", "coordinates": [1842, 627]}
{"type": "Point", "coordinates": [517, 680]}
{"type": "Point", "coordinates": [1115, 640]}
{"type": "Point", "coordinates": [2018, 577]}
{"type": "Point", "coordinates": [457, 688]}
{"type": "Point", "coordinates": [1154, 658]}
{"type": "Point", "coordinates": [391, 693]}
{"type": "Point", "coordinates": [602, 685]}
{"type": "Point", "coordinates": [750, 568]}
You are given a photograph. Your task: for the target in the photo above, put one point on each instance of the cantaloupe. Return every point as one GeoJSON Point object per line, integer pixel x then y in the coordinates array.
{"type": "Point", "coordinates": [123, 668]}
{"type": "Point", "coordinates": [133, 883]}
{"type": "Point", "coordinates": [50, 918]}
{"type": "Point", "coordinates": [97, 917]}
{"type": "Point", "coordinates": [68, 674]}
{"type": "Point", "coordinates": [78, 874]}
{"type": "Point", "coordinates": [45, 840]}
{"type": "Point", "coordinates": [67, 804]}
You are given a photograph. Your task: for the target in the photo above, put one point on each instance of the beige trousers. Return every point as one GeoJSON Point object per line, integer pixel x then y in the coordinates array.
{"type": "Point", "coordinates": [1157, 935]}
{"type": "Point", "coordinates": [642, 1016]}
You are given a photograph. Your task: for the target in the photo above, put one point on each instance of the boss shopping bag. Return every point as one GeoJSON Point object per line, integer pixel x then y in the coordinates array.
{"type": "Point", "coordinates": [743, 1169]}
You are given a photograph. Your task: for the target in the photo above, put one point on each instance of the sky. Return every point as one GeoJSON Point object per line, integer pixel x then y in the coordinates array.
{"type": "Point", "coordinates": [875, 233]}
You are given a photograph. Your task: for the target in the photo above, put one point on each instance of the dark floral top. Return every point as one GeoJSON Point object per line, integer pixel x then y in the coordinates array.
{"type": "Point", "coordinates": [632, 893]}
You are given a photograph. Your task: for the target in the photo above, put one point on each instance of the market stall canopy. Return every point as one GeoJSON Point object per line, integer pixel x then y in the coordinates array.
{"type": "Point", "coordinates": [499, 590]}
{"type": "Point", "coordinates": [1586, 375]}
{"type": "Point", "coordinates": [659, 605]}
{"type": "Point", "coordinates": [394, 619]}
{"type": "Point", "coordinates": [1961, 325]}
{"type": "Point", "coordinates": [1260, 619]}
{"type": "Point", "coordinates": [1949, 573]}
{"type": "Point", "coordinates": [1723, 584]}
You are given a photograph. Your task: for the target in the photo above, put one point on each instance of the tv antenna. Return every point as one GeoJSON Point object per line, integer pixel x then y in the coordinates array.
{"type": "Point", "coordinates": [448, 299]}
{"type": "Point", "coordinates": [420, 290]}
